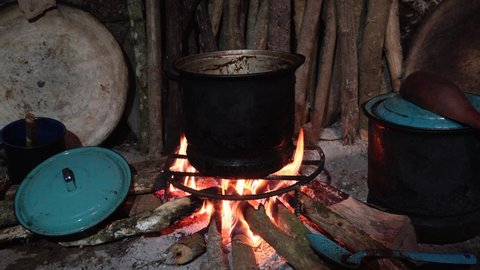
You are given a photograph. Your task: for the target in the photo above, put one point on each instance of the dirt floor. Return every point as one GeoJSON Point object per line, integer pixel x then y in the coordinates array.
{"type": "Point", "coordinates": [347, 166]}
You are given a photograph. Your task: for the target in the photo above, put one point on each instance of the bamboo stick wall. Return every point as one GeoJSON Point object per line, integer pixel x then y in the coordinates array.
{"type": "Point", "coordinates": [352, 50]}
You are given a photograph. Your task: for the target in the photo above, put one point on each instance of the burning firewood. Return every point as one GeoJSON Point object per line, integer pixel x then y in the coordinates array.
{"type": "Point", "coordinates": [289, 223]}
{"type": "Point", "coordinates": [285, 245]}
{"type": "Point", "coordinates": [243, 256]}
{"type": "Point", "coordinates": [151, 221]}
{"type": "Point", "coordinates": [186, 249]}
{"type": "Point", "coordinates": [215, 250]}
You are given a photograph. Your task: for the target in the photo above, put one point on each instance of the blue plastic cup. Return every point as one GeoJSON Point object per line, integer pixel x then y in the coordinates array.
{"type": "Point", "coordinates": [20, 158]}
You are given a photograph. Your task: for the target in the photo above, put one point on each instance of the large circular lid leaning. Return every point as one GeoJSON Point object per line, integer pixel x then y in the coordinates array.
{"type": "Point", "coordinates": [72, 191]}
{"type": "Point", "coordinates": [65, 65]}
{"type": "Point", "coordinates": [394, 109]}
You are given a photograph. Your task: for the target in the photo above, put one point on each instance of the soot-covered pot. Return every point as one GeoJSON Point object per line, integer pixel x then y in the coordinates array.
{"type": "Point", "coordinates": [239, 110]}
{"type": "Point", "coordinates": [425, 166]}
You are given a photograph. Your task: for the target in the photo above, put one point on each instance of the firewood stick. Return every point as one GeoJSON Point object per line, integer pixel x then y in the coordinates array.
{"type": "Point", "coordinates": [215, 10]}
{"type": "Point", "coordinates": [257, 25]}
{"type": "Point", "coordinates": [393, 46]}
{"type": "Point", "coordinates": [151, 221]}
{"type": "Point", "coordinates": [14, 233]}
{"type": "Point", "coordinates": [286, 246]}
{"type": "Point", "coordinates": [306, 46]}
{"type": "Point", "coordinates": [216, 257]}
{"type": "Point", "coordinates": [154, 76]}
{"type": "Point", "coordinates": [206, 38]}
{"type": "Point", "coordinates": [371, 53]}
{"type": "Point", "coordinates": [344, 231]}
{"type": "Point", "coordinates": [290, 224]}
{"type": "Point", "coordinates": [186, 249]}
{"type": "Point", "coordinates": [243, 257]}
{"type": "Point", "coordinates": [325, 68]}
{"type": "Point", "coordinates": [347, 42]}
{"type": "Point", "coordinates": [391, 230]}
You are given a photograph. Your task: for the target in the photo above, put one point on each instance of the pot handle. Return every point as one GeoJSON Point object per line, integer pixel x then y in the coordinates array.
{"type": "Point", "coordinates": [171, 72]}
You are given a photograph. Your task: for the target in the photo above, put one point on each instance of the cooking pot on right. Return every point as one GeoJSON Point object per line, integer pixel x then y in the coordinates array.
{"type": "Point", "coordinates": [425, 166]}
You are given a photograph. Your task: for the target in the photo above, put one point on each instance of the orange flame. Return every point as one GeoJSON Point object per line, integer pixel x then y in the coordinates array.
{"type": "Point", "coordinates": [232, 217]}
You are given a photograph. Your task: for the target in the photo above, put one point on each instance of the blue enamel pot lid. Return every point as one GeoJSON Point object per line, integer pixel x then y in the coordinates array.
{"type": "Point", "coordinates": [72, 191]}
{"type": "Point", "coordinates": [392, 108]}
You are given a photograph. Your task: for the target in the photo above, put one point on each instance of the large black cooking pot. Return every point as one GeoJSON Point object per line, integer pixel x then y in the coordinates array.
{"type": "Point", "coordinates": [239, 110]}
{"type": "Point", "coordinates": [425, 166]}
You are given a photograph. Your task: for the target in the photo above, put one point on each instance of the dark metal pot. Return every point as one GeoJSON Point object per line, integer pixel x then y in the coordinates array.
{"type": "Point", "coordinates": [21, 159]}
{"type": "Point", "coordinates": [239, 110]}
{"type": "Point", "coordinates": [425, 166]}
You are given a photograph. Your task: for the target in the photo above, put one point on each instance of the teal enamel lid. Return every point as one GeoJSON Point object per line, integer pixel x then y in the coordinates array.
{"type": "Point", "coordinates": [394, 109]}
{"type": "Point", "coordinates": [72, 191]}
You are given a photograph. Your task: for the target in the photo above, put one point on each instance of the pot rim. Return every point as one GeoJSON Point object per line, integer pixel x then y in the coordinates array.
{"type": "Point", "coordinates": [61, 134]}
{"type": "Point", "coordinates": [293, 60]}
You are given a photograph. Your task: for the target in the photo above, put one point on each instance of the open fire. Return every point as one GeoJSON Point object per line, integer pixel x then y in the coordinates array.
{"type": "Point", "coordinates": [233, 221]}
